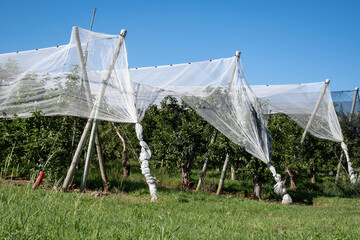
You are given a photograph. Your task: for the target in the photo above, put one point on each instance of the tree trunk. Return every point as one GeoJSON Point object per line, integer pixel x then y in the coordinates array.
{"type": "Point", "coordinates": [186, 172]}
{"type": "Point", "coordinates": [257, 189]}
{"type": "Point", "coordinates": [313, 174]}
{"type": "Point", "coordinates": [292, 179]}
{"type": "Point", "coordinates": [125, 162]}
{"type": "Point", "coordinates": [203, 171]}
{"type": "Point", "coordinates": [234, 168]}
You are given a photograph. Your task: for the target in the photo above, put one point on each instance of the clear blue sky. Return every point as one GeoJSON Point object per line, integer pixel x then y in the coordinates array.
{"type": "Point", "coordinates": [282, 41]}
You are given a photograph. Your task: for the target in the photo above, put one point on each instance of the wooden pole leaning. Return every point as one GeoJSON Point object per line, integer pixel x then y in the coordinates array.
{"type": "Point", "coordinates": [87, 43]}
{"type": "Point", "coordinates": [85, 133]}
{"type": "Point", "coordinates": [223, 172]}
{"type": "Point", "coordinates": [353, 103]}
{"type": "Point", "coordinates": [95, 110]}
{"type": "Point", "coordinates": [83, 59]}
{"type": "Point", "coordinates": [314, 111]}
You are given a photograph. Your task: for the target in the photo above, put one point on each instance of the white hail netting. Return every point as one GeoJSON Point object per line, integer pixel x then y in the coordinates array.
{"type": "Point", "coordinates": [47, 80]}
{"type": "Point", "coordinates": [51, 80]}
{"type": "Point", "coordinates": [344, 100]}
{"type": "Point", "coordinates": [298, 102]}
{"type": "Point", "coordinates": [217, 90]}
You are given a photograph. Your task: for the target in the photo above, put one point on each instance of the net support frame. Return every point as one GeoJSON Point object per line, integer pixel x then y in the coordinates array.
{"type": "Point", "coordinates": [95, 110]}
{"type": "Point", "coordinates": [84, 135]}
{"type": "Point", "coordinates": [353, 103]}
{"type": "Point", "coordinates": [327, 81]}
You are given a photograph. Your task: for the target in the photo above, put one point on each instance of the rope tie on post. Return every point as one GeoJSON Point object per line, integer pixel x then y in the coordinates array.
{"type": "Point", "coordinates": [145, 155]}
{"type": "Point", "coordinates": [279, 188]}
{"type": "Point", "coordinates": [350, 168]}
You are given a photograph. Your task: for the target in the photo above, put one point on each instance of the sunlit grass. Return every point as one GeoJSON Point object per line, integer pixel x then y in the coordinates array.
{"type": "Point", "coordinates": [46, 214]}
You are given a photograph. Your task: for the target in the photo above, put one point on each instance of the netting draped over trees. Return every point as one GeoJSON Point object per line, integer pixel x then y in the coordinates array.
{"type": "Point", "coordinates": [344, 100]}
{"type": "Point", "coordinates": [298, 102]}
{"type": "Point", "coordinates": [38, 80]}
{"type": "Point", "coordinates": [218, 91]}
{"type": "Point", "coordinates": [52, 80]}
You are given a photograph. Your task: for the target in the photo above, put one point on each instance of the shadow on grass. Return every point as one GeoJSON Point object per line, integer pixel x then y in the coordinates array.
{"type": "Point", "coordinates": [169, 185]}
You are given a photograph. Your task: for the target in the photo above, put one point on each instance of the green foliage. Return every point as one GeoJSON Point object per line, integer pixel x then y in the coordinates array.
{"type": "Point", "coordinates": [286, 135]}
{"type": "Point", "coordinates": [177, 136]}
{"type": "Point", "coordinates": [40, 143]}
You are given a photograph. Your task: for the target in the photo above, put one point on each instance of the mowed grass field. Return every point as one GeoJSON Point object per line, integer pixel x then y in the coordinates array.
{"type": "Point", "coordinates": [49, 214]}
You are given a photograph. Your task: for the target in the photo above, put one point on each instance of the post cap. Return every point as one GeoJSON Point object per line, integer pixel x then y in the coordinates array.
{"type": "Point", "coordinates": [123, 33]}
{"type": "Point", "coordinates": [327, 81]}
{"type": "Point", "coordinates": [237, 54]}
{"type": "Point", "coordinates": [356, 89]}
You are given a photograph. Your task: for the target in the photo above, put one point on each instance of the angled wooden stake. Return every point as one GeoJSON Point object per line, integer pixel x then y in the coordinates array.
{"type": "Point", "coordinates": [353, 103]}
{"type": "Point", "coordinates": [95, 110]}
{"type": "Point", "coordinates": [223, 174]}
{"type": "Point", "coordinates": [314, 111]}
{"type": "Point", "coordinates": [85, 133]}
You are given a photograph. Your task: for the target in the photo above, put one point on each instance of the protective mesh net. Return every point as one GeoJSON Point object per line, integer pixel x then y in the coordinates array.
{"type": "Point", "coordinates": [343, 101]}
{"type": "Point", "coordinates": [51, 80]}
{"type": "Point", "coordinates": [298, 102]}
{"type": "Point", "coordinates": [217, 90]}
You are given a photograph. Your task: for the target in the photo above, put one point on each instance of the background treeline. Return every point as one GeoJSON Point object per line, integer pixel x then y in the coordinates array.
{"type": "Point", "coordinates": [180, 140]}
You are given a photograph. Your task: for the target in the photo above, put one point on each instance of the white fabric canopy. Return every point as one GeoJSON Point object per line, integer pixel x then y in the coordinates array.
{"type": "Point", "coordinates": [50, 80]}
{"type": "Point", "coordinates": [218, 91]}
{"type": "Point", "coordinates": [344, 99]}
{"type": "Point", "coordinates": [298, 102]}
{"type": "Point", "coordinates": [44, 79]}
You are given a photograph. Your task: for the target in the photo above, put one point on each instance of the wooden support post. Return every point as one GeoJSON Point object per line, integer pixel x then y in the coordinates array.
{"type": "Point", "coordinates": [222, 178]}
{"type": "Point", "coordinates": [95, 110]}
{"type": "Point", "coordinates": [82, 60]}
{"type": "Point", "coordinates": [223, 174]}
{"type": "Point", "coordinates": [76, 156]}
{"type": "Point", "coordinates": [353, 103]}
{"type": "Point", "coordinates": [237, 57]}
{"type": "Point", "coordinates": [314, 111]}
{"type": "Point", "coordinates": [203, 172]}
{"type": "Point", "coordinates": [101, 161]}
{"type": "Point", "coordinates": [87, 43]}
{"type": "Point", "coordinates": [85, 133]}
{"type": "Point", "coordinates": [339, 167]}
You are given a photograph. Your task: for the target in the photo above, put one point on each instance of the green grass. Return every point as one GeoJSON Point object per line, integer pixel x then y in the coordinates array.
{"type": "Point", "coordinates": [319, 212]}
{"type": "Point", "coordinates": [45, 214]}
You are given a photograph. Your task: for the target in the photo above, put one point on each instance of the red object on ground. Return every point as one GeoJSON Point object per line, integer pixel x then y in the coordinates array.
{"type": "Point", "coordinates": [39, 179]}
